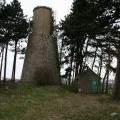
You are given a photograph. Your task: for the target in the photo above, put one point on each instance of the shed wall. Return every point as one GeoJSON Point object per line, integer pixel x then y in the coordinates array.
{"type": "Point", "coordinates": [85, 82]}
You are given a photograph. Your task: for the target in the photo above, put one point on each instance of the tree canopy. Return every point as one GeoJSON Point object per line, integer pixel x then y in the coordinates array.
{"type": "Point", "coordinates": [91, 31]}
{"type": "Point", "coordinates": [13, 27]}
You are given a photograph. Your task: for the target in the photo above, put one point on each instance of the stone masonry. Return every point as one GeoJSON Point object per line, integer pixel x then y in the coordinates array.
{"type": "Point", "coordinates": [41, 60]}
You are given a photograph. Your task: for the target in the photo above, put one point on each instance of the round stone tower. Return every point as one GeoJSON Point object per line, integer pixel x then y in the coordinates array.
{"type": "Point", "coordinates": [42, 21]}
{"type": "Point", "coordinates": [41, 60]}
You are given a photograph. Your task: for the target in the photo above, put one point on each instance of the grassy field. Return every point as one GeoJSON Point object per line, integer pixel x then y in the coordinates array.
{"type": "Point", "coordinates": [23, 102]}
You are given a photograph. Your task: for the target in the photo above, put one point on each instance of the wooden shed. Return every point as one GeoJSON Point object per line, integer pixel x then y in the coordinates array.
{"type": "Point", "coordinates": [89, 82]}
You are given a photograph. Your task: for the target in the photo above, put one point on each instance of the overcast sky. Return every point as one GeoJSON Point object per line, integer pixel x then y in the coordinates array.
{"type": "Point", "coordinates": [60, 7]}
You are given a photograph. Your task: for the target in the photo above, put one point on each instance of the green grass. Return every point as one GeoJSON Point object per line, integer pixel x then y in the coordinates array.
{"type": "Point", "coordinates": [25, 102]}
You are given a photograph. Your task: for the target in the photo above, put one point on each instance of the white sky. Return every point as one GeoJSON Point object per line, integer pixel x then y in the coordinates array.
{"type": "Point", "coordinates": [60, 8]}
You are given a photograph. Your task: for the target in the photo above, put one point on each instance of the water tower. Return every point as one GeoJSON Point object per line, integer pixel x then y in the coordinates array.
{"type": "Point", "coordinates": [41, 60]}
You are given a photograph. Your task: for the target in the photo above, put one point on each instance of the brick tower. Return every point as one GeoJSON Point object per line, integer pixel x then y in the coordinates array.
{"type": "Point", "coordinates": [41, 60]}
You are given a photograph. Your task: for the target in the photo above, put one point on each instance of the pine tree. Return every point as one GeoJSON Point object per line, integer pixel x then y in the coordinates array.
{"type": "Point", "coordinates": [13, 28]}
{"type": "Point", "coordinates": [96, 20]}
{"type": "Point", "coordinates": [20, 27]}
{"type": "Point", "coordinates": [5, 32]}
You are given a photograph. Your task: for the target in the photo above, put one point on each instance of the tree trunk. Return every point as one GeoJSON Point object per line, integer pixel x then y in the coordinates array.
{"type": "Point", "coordinates": [76, 69]}
{"type": "Point", "coordinates": [86, 50]}
{"type": "Point", "coordinates": [108, 69]}
{"type": "Point", "coordinates": [61, 50]}
{"type": "Point", "coordinates": [5, 64]}
{"type": "Point", "coordinates": [81, 58]}
{"type": "Point", "coordinates": [100, 63]}
{"type": "Point", "coordinates": [1, 65]}
{"type": "Point", "coordinates": [71, 64]}
{"type": "Point", "coordinates": [103, 83]}
{"type": "Point", "coordinates": [116, 90]}
{"type": "Point", "coordinates": [73, 75]}
{"type": "Point", "coordinates": [14, 63]}
{"type": "Point", "coordinates": [81, 64]}
{"type": "Point", "coordinates": [94, 57]}
{"type": "Point", "coordinates": [77, 61]}
{"type": "Point", "coordinates": [107, 80]}
{"type": "Point", "coordinates": [60, 59]}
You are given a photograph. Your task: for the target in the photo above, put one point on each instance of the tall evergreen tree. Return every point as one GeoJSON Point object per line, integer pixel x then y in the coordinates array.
{"type": "Point", "coordinates": [20, 27]}
{"type": "Point", "coordinates": [13, 27]}
{"type": "Point", "coordinates": [93, 20]}
{"type": "Point", "coordinates": [5, 32]}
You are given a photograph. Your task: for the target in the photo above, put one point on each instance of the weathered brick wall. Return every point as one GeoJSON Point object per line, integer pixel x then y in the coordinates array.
{"type": "Point", "coordinates": [41, 56]}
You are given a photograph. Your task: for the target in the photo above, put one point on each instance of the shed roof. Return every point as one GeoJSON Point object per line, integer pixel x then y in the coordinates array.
{"type": "Point", "coordinates": [87, 71]}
